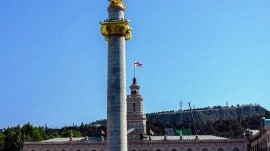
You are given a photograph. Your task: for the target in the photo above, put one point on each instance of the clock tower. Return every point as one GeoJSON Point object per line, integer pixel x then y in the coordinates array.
{"type": "Point", "coordinates": [135, 117]}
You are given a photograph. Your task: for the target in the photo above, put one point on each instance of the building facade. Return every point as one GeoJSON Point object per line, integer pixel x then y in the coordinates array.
{"type": "Point", "coordinates": [137, 140]}
{"type": "Point", "coordinates": [259, 140]}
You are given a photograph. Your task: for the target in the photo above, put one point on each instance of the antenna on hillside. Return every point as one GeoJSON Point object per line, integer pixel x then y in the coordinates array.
{"type": "Point", "coordinates": [196, 137]}
{"type": "Point", "coordinates": [181, 111]}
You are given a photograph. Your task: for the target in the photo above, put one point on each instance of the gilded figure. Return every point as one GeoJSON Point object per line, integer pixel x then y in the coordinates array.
{"type": "Point", "coordinates": [116, 1]}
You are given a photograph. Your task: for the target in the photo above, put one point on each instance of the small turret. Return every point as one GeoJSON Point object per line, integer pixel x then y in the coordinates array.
{"type": "Point", "coordinates": [135, 116]}
{"type": "Point", "coordinates": [134, 87]}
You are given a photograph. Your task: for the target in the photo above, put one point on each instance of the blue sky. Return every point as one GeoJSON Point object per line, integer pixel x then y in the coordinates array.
{"type": "Point", "coordinates": [53, 59]}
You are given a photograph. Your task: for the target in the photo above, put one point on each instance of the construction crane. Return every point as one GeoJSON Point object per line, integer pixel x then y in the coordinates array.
{"type": "Point", "coordinates": [194, 125]}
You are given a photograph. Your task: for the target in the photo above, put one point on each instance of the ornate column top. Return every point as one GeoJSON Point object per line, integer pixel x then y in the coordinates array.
{"type": "Point", "coordinates": [117, 3]}
{"type": "Point", "coordinates": [115, 27]}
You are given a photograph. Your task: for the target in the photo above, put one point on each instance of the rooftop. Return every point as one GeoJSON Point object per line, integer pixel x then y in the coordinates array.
{"type": "Point", "coordinates": [190, 137]}
{"type": "Point", "coordinates": [67, 139]}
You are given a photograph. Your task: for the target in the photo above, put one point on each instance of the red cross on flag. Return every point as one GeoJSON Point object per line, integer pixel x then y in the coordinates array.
{"type": "Point", "coordinates": [137, 64]}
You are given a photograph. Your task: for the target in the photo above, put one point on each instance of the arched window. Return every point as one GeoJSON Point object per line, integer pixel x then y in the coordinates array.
{"type": "Point", "coordinates": [235, 149]}
{"type": "Point", "coordinates": [220, 149]}
{"type": "Point", "coordinates": [144, 149]}
{"type": "Point", "coordinates": [205, 149]}
{"type": "Point", "coordinates": [134, 107]}
{"type": "Point", "coordinates": [63, 150]}
{"type": "Point", "coordinates": [158, 150]}
{"type": "Point", "coordinates": [93, 150]}
{"type": "Point", "coordinates": [133, 149]}
{"type": "Point", "coordinates": [174, 149]}
{"type": "Point", "coordinates": [189, 149]}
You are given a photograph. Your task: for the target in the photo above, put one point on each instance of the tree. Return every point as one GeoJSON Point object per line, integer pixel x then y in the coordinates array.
{"type": "Point", "coordinates": [53, 135]}
{"type": "Point", "coordinates": [77, 133]}
{"type": "Point", "coordinates": [68, 133]}
{"type": "Point", "coordinates": [27, 132]}
{"type": "Point", "coordinates": [38, 134]}
{"type": "Point", "coordinates": [13, 139]}
{"type": "Point", "coordinates": [32, 133]}
{"type": "Point", "coordinates": [2, 136]}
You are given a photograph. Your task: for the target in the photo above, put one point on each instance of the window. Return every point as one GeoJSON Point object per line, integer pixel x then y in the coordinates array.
{"type": "Point", "coordinates": [158, 150]}
{"type": "Point", "coordinates": [220, 149]}
{"type": "Point", "coordinates": [205, 149]}
{"type": "Point", "coordinates": [174, 149]}
{"type": "Point", "coordinates": [133, 149]}
{"type": "Point", "coordinates": [134, 107]}
{"type": "Point", "coordinates": [235, 149]}
{"type": "Point", "coordinates": [189, 149]}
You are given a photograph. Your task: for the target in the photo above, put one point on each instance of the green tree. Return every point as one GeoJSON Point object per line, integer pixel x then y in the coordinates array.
{"type": "Point", "coordinates": [13, 139]}
{"type": "Point", "coordinates": [53, 135]}
{"type": "Point", "coordinates": [2, 136]}
{"type": "Point", "coordinates": [32, 133]}
{"type": "Point", "coordinates": [75, 133]}
{"type": "Point", "coordinates": [27, 132]}
{"type": "Point", "coordinates": [38, 134]}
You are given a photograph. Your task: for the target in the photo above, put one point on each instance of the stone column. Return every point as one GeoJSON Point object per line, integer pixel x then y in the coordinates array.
{"type": "Point", "coordinates": [116, 31]}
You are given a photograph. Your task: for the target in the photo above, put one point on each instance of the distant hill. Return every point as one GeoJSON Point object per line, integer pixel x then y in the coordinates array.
{"type": "Point", "coordinates": [218, 120]}
{"type": "Point", "coordinates": [202, 115]}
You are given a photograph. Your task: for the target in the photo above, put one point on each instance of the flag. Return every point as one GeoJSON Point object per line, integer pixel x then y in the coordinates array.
{"type": "Point", "coordinates": [178, 131]}
{"type": "Point", "coordinates": [137, 64]}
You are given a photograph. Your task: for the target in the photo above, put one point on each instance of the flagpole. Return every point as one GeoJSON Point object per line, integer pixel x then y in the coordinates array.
{"type": "Point", "coordinates": [134, 67]}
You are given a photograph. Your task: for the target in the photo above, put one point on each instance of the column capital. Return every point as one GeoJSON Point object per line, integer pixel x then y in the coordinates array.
{"type": "Point", "coordinates": [115, 27]}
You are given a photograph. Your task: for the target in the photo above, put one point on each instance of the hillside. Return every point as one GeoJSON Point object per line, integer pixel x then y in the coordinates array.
{"type": "Point", "coordinates": [222, 121]}
{"type": "Point", "coordinates": [202, 115]}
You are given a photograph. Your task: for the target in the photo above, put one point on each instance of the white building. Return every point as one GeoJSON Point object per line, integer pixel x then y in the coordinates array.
{"type": "Point", "coordinates": [137, 140]}
{"type": "Point", "coordinates": [259, 140]}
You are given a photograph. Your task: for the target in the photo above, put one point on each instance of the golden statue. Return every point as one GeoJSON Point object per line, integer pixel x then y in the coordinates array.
{"type": "Point", "coordinates": [116, 27]}
{"type": "Point", "coordinates": [117, 3]}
